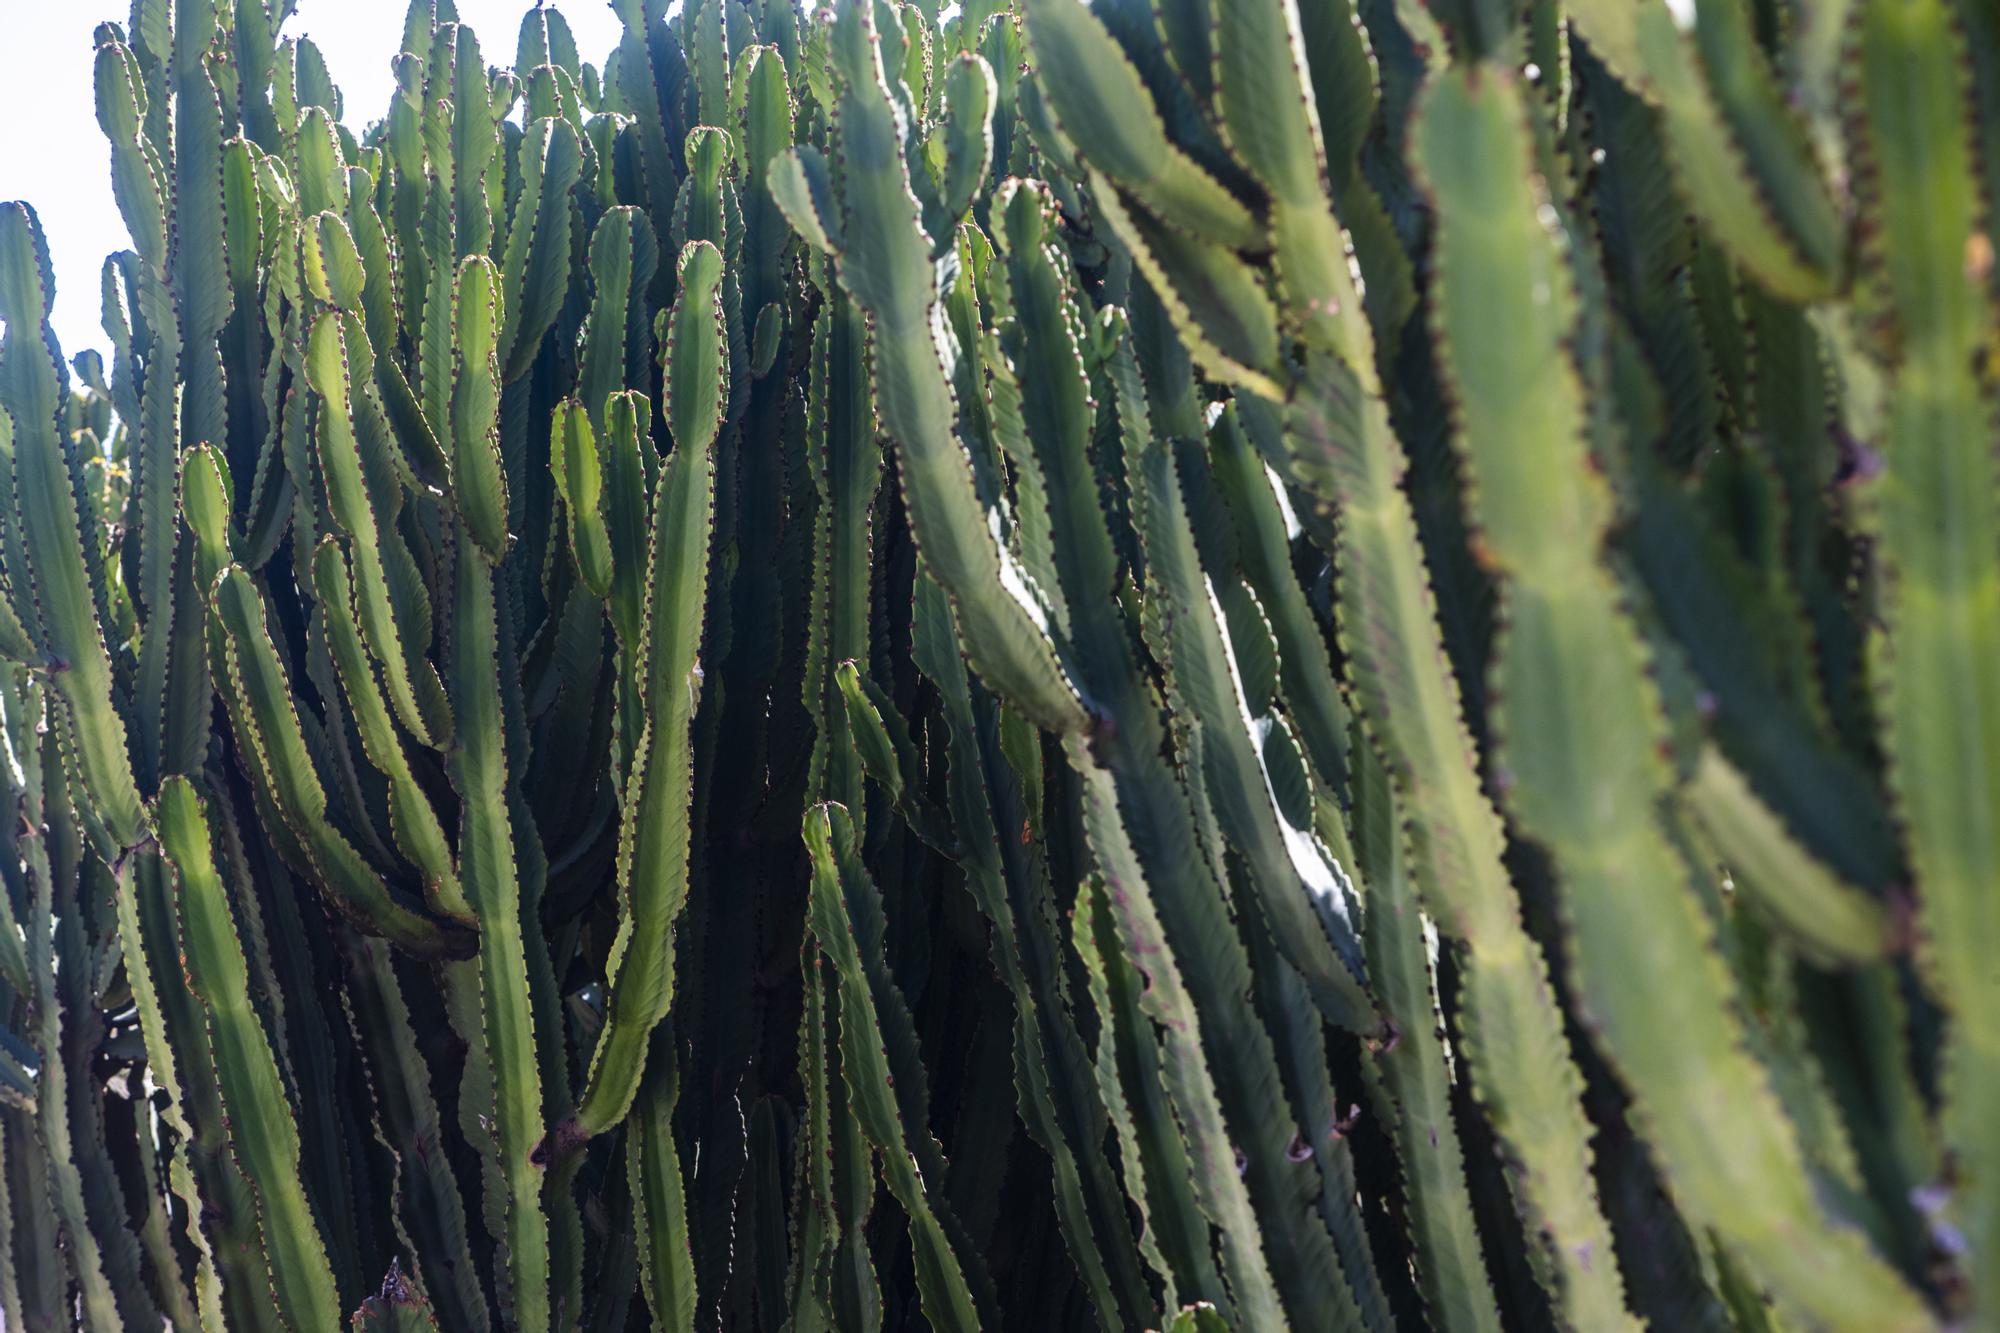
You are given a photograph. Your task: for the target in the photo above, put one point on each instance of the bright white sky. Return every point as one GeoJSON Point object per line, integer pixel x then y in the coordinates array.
{"type": "Point", "coordinates": [53, 155]}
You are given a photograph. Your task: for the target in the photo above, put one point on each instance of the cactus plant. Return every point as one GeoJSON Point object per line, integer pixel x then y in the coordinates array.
{"type": "Point", "coordinates": [1219, 664]}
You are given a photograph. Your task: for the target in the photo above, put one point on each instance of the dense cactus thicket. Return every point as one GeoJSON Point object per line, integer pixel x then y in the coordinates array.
{"type": "Point", "coordinates": [1160, 664]}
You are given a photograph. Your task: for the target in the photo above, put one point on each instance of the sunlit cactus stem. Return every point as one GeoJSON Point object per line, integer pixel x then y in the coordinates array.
{"type": "Point", "coordinates": [1203, 665]}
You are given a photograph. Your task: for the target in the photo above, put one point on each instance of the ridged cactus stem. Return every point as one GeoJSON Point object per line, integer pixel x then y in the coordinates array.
{"type": "Point", "coordinates": [1584, 773]}
{"type": "Point", "coordinates": [1344, 450]}
{"type": "Point", "coordinates": [881, 263]}
{"type": "Point", "coordinates": [508, 824]}
{"type": "Point", "coordinates": [1059, 1107]}
{"type": "Point", "coordinates": [31, 388]}
{"type": "Point", "coordinates": [653, 855]}
{"type": "Point", "coordinates": [1934, 512]}
{"type": "Point", "coordinates": [837, 881]}
{"type": "Point", "coordinates": [275, 747]}
{"type": "Point", "coordinates": [54, 1132]}
{"type": "Point", "coordinates": [263, 1131]}
{"type": "Point", "coordinates": [353, 509]}
{"type": "Point", "coordinates": [490, 872]}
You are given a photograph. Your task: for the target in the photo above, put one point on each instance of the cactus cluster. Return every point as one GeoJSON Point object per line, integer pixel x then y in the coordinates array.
{"type": "Point", "coordinates": [1148, 664]}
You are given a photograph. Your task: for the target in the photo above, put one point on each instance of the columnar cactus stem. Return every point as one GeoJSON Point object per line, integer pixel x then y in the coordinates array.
{"type": "Point", "coordinates": [880, 607]}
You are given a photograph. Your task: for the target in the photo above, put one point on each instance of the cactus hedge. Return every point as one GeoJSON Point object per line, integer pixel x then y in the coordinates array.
{"type": "Point", "coordinates": [1148, 664]}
